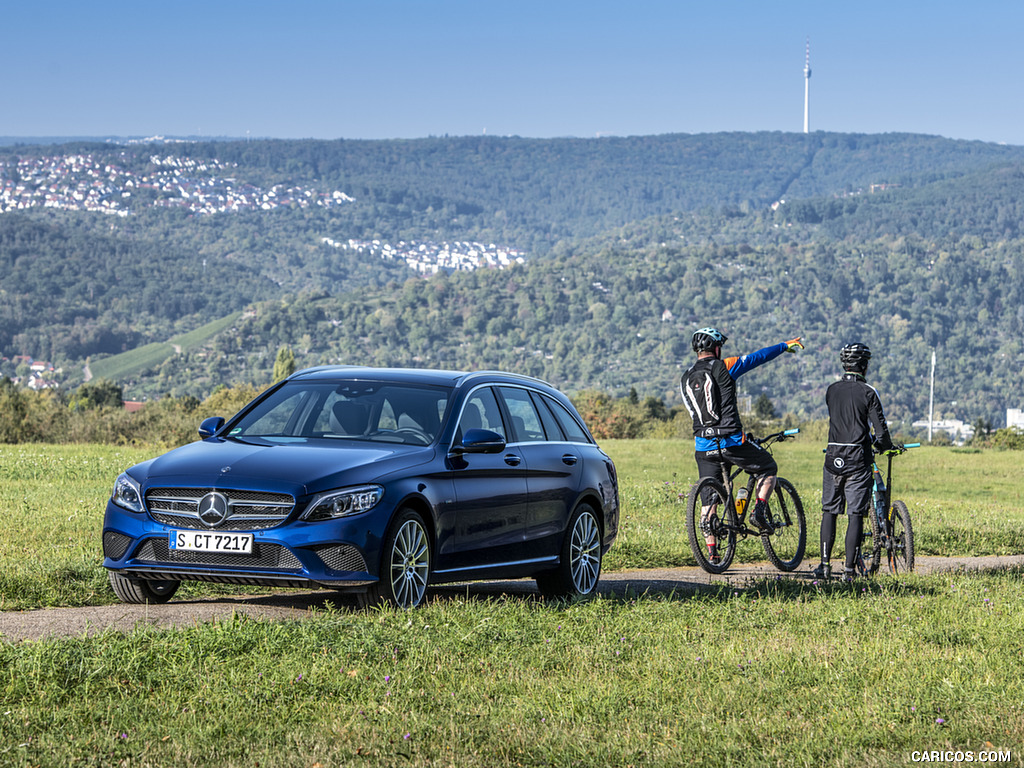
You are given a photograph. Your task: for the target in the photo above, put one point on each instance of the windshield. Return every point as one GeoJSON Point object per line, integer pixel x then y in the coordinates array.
{"type": "Point", "coordinates": [378, 411]}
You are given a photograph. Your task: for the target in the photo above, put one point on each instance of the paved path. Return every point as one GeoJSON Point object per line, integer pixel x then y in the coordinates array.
{"type": "Point", "coordinates": [73, 622]}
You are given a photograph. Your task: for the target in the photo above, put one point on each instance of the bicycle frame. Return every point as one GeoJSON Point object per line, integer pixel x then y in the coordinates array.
{"type": "Point", "coordinates": [729, 476]}
{"type": "Point", "coordinates": [884, 514]}
{"type": "Point", "coordinates": [881, 493]}
{"type": "Point", "coordinates": [713, 528]}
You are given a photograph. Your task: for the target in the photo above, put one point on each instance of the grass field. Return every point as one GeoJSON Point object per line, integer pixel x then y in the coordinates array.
{"type": "Point", "coordinates": [781, 673]}
{"type": "Point", "coordinates": [52, 500]}
{"type": "Point", "coordinates": [961, 502]}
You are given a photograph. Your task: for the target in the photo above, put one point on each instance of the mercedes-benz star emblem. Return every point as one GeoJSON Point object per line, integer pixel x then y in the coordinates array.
{"type": "Point", "coordinates": [213, 509]}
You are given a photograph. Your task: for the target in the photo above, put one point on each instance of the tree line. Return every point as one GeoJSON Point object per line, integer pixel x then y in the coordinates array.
{"type": "Point", "coordinates": [96, 414]}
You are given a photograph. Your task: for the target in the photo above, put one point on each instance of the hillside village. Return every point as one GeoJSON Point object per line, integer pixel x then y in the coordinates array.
{"type": "Point", "coordinates": [23, 371]}
{"type": "Point", "coordinates": [429, 258]}
{"type": "Point", "coordinates": [83, 183]}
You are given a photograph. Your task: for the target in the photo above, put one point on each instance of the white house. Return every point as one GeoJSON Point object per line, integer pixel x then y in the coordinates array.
{"type": "Point", "coordinates": [958, 431]}
{"type": "Point", "coordinates": [1015, 418]}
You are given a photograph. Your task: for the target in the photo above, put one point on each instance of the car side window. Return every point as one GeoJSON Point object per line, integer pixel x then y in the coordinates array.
{"type": "Point", "coordinates": [481, 411]}
{"type": "Point", "coordinates": [551, 428]}
{"type": "Point", "coordinates": [574, 433]}
{"type": "Point", "coordinates": [526, 424]}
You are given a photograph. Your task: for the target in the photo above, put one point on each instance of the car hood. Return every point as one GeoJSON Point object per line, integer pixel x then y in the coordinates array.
{"type": "Point", "coordinates": [295, 467]}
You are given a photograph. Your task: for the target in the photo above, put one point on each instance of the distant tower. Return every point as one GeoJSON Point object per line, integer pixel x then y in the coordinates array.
{"type": "Point", "coordinates": [807, 89]}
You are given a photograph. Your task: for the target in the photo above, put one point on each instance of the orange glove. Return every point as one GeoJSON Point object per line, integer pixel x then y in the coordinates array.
{"type": "Point", "coordinates": [792, 344]}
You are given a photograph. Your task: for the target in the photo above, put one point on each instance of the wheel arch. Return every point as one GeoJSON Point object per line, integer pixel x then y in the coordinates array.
{"type": "Point", "coordinates": [423, 508]}
{"type": "Point", "coordinates": [594, 500]}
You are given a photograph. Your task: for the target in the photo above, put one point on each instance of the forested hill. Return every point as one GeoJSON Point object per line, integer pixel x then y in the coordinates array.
{"type": "Point", "coordinates": [617, 311]}
{"type": "Point", "coordinates": [910, 242]}
{"type": "Point", "coordinates": [536, 192]}
{"type": "Point", "coordinates": [533, 193]}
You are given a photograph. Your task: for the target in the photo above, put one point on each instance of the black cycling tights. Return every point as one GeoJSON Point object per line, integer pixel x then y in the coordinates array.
{"type": "Point", "coordinates": [854, 531]}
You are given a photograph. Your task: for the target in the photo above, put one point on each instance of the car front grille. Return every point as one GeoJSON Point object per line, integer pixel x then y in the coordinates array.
{"type": "Point", "coordinates": [156, 550]}
{"type": "Point", "coordinates": [247, 510]}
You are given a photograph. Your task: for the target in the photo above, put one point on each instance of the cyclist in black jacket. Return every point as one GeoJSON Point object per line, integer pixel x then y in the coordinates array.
{"type": "Point", "coordinates": [856, 426]}
{"type": "Point", "coordinates": [709, 393]}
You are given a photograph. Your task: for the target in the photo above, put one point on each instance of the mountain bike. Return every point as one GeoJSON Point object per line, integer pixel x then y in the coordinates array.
{"type": "Point", "coordinates": [726, 522]}
{"type": "Point", "coordinates": [891, 531]}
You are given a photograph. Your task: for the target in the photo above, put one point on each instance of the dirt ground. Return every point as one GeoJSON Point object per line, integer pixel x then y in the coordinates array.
{"type": "Point", "coordinates": [17, 626]}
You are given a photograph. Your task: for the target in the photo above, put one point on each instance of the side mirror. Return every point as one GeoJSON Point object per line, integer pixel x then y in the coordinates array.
{"type": "Point", "coordinates": [479, 441]}
{"type": "Point", "coordinates": [210, 426]}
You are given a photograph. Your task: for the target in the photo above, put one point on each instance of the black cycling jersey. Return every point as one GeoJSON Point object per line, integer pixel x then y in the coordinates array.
{"type": "Point", "coordinates": [709, 393]}
{"type": "Point", "coordinates": [854, 411]}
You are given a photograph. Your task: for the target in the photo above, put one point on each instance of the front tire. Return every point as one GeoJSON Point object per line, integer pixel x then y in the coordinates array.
{"type": "Point", "coordinates": [722, 524]}
{"type": "Point", "coordinates": [901, 553]}
{"type": "Point", "coordinates": [405, 564]}
{"type": "Point", "coordinates": [579, 567]}
{"type": "Point", "coordinates": [137, 591]}
{"type": "Point", "coordinates": [785, 546]}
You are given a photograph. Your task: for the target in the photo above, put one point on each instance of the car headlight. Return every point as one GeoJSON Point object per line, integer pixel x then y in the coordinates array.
{"type": "Point", "coordinates": [127, 494]}
{"type": "Point", "coordinates": [350, 501]}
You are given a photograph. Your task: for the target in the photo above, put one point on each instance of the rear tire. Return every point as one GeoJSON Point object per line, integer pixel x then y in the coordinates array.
{"type": "Point", "coordinates": [579, 566]}
{"type": "Point", "coordinates": [901, 555]}
{"type": "Point", "coordinates": [723, 525]}
{"type": "Point", "coordinates": [137, 591]}
{"type": "Point", "coordinates": [405, 564]}
{"type": "Point", "coordinates": [785, 546]}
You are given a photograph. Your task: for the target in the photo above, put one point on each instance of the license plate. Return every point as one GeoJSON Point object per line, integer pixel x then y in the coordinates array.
{"type": "Point", "coordinates": [201, 541]}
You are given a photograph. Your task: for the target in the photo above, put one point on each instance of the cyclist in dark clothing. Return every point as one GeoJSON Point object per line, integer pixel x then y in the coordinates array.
{"type": "Point", "coordinates": [856, 426]}
{"type": "Point", "coordinates": [709, 393]}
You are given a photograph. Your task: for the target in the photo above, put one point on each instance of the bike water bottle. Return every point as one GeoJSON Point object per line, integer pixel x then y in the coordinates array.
{"type": "Point", "coordinates": [741, 501]}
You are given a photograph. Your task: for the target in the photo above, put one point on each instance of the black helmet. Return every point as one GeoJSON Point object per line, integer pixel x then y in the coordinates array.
{"type": "Point", "coordinates": [706, 339]}
{"type": "Point", "coordinates": [855, 357]}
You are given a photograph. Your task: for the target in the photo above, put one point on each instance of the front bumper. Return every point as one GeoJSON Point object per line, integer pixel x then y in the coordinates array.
{"type": "Point", "coordinates": [333, 554]}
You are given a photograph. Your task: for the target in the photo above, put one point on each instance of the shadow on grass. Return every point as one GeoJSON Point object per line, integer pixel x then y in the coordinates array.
{"type": "Point", "coordinates": [627, 588]}
{"type": "Point", "coordinates": [673, 590]}
{"type": "Point", "coordinates": [776, 588]}
{"type": "Point", "coordinates": [796, 587]}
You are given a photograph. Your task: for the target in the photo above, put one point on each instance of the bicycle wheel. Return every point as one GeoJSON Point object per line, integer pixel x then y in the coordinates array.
{"type": "Point", "coordinates": [785, 545]}
{"type": "Point", "coordinates": [901, 551]}
{"type": "Point", "coordinates": [721, 524]}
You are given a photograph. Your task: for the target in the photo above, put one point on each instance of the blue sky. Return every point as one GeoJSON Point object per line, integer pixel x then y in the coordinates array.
{"type": "Point", "coordinates": [407, 69]}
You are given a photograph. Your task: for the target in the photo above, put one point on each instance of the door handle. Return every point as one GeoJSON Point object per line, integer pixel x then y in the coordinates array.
{"type": "Point", "coordinates": [569, 459]}
{"type": "Point", "coordinates": [512, 460]}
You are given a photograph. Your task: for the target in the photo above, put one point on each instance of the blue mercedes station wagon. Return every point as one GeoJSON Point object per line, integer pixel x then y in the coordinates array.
{"type": "Point", "coordinates": [377, 482]}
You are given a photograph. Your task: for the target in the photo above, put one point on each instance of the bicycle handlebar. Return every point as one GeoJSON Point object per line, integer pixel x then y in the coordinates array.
{"type": "Point", "coordinates": [898, 451]}
{"type": "Point", "coordinates": [777, 436]}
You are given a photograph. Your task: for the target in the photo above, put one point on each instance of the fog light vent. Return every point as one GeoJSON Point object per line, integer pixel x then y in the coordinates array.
{"type": "Point", "coordinates": [115, 544]}
{"type": "Point", "coordinates": [342, 557]}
